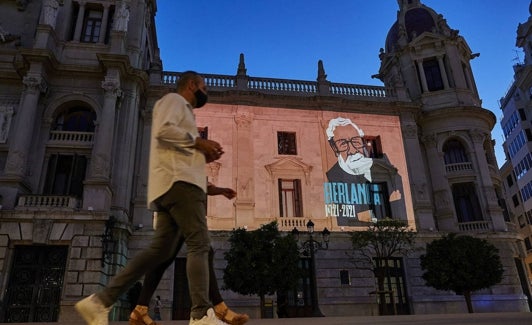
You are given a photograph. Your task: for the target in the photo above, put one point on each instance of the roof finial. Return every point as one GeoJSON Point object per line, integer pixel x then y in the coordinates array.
{"type": "Point", "coordinates": [321, 71]}
{"type": "Point", "coordinates": [404, 4]}
{"type": "Point", "coordinates": [241, 66]}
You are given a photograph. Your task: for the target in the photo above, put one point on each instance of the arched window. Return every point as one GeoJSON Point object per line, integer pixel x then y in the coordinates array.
{"type": "Point", "coordinates": [454, 152]}
{"type": "Point", "coordinates": [77, 119]}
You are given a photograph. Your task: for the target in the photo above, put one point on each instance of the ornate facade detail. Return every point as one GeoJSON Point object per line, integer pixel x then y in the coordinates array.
{"type": "Point", "coordinates": [243, 121]}
{"type": "Point", "coordinates": [49, 13]}
{"type": "Point", "coordinates": [477, 135]}
{"type": "Point", "coordinates": [22, 4]}
{"type": "Point", "coordinates": [100, 166]}
{"type": "Point", "coordinates": [112, 87]}
{"type": "Point", "coordinates": [441, 200]}
{"type": "Point", "coordinates": [421, 191]}
{"type": "Point", "coordinates": [6, 115]}
{"type": "Point", "coordinates": [16, 162]}
{"type": "Point", "coordinates": [34, 83]}
{"type": "Point", "coordinates": [430, 140]}
{"type": "Point", "coordinates": [7, 37]}
{"type": "Point", "coordinates": [410, 131]}
{"type": "Point", "coordinates": [122, 18]}
{"type": "Point", "coordinates": [213, 171]}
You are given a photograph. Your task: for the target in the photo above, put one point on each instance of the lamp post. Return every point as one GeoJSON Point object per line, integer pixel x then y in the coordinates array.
{"type": "Point", "coordinates": [309, 248]}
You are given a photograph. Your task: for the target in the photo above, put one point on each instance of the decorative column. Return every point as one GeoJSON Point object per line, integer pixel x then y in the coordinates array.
{"type": "Point", "coordinates": [442, 196]}
{"type": "Point", "coordinates": [15, 170]}
{"type": "Point", "coordinates": [79, 21]}
{"type": "Point", "coordinates": [443, 72]}
{"type": "Point", "coordinates": [421, 193]}
{"type": "Point", "coordinates": [487, 193]}
{"type": "Point", "coordinates": [105, 21]}
{"type": "Point", "coordinates": [422, 76]}
{"type": "Point", "coordinates": [34, 85]}
{"type": "Point", "coordinates": [245, 201]}
{"type": "Point", "coordinates": [97, 192]}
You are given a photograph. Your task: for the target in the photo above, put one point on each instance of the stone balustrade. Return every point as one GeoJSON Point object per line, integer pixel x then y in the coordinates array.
{"type": "Point", "coordinates": [47, 201]}
{"type": "Point", "coordinates": [286, 86]}
{"type": "Point", "coordinates": [458, 167]}
{"type": "Point", "coordinates": [71, 138]}
{"type": "Point", "coordinates": [475, 226]}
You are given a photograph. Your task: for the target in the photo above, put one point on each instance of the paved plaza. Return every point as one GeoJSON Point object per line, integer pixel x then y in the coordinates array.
{"type": "Point", "coordinates": [433, 319]}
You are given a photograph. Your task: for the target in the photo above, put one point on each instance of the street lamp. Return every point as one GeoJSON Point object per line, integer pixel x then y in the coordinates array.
{"type": "Point", "coordinates": [308, 248]}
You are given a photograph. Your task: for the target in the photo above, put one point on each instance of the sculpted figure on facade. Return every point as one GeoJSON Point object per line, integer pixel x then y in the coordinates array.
{"type": "Point", "coordinates": [122, 18]}
{"type": "Point", "coordinates": [49, 13]}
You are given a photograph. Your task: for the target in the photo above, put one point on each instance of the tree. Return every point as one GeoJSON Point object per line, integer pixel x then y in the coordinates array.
{"type": "Point", "coordinates": [261, 262]}
{"type": "Point", "coordinates": [462, 264]}
{"type": "Point", "coordinates": [375, 246]}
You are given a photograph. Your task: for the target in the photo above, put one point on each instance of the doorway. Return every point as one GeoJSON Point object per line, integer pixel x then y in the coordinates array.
{"type": "Point", "coordinates": [35, 284]}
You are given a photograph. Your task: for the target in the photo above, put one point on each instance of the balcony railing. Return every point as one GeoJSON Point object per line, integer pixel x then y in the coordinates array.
{"type": "Point", "coordinates": [291, 223]}
{"type": "Point", "coordinates": [71, 138]}
{"type": "Point", "coordinates": [48, 201]}
{"type": "Point", "coordinates": [475, 226]}
{"type": "Point", "coordinates": [459, 167]}
{"type": "Point", "coordinates": [286, 86]}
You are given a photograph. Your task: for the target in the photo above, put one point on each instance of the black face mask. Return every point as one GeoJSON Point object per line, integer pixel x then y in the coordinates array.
{"type": "Point", "coordinates": [201, 98]}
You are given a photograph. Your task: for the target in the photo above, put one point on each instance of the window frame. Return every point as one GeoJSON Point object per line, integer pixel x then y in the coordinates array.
{"type": "Point", "coordinates": [296, 204]}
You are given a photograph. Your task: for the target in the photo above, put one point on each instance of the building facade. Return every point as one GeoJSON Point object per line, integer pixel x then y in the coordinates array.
{"type": "Point", "coordinates": [79, 80]}
{"type": "Point", "coordinates": [516, 107]}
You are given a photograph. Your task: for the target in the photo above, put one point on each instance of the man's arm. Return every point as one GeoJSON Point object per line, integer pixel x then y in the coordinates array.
{"type": "Point", "coordinates": [225, 191]}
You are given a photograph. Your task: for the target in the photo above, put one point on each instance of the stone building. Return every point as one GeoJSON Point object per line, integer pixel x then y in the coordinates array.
{"type": "Point", "coordinates": [78, 82]}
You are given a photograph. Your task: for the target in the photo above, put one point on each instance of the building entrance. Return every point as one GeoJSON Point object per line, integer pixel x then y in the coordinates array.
{"type": "Point", "coordinates": [35, 284]}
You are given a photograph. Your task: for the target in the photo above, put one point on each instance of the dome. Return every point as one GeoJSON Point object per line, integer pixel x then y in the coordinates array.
{"type": "Point", "coordinates": [417, 21]}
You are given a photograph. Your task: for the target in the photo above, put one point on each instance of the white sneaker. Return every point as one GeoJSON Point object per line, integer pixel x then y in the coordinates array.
{"type": "Point", "coordinates": [93, 311]}
{"type": "Point", "coordinates": [209, 319]}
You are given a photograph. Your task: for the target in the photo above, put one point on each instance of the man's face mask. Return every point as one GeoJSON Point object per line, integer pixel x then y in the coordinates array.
{"type": "Point", "coordinates": [201, 98]}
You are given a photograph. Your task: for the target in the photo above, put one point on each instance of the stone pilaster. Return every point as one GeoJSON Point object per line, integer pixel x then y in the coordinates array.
{"type": "Point", "coordinates": [97, 189]}
{"type": "Point", "coordinates": [245, 201]}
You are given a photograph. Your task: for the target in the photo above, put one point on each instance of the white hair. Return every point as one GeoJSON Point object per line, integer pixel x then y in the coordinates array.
{"type": "Point", "coordinates": [340, 121]}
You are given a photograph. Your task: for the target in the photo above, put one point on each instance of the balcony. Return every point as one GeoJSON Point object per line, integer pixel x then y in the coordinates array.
{"type": "Point", "coordinates": [291, 223]}
{"type": "Point", "coordinates": [475, 226]}
{"type": "Point", "coordinates": [71, 139]}
{"type": "Point", "coordinates": [44, 202]}
{"type": "Point", "coordinates": [458, 167]}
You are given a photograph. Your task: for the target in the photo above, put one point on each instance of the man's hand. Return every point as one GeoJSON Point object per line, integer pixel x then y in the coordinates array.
{"type": "Point", "coordinates": [211, 149]}
{"type": "Point", "coordinates": [227, 192]}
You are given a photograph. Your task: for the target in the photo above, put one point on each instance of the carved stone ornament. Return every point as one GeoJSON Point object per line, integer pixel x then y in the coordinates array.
{"type": "Point", "coordinates": [16, 162]}
{"type": "Point", "coordinates": [441, 200]}
{"type": "Point", "coordinates": [34, 83]}
{"type": "Point", "coordinates": [6, 115]}
{"type": "Point", "coordinates": [122, 18]}
{"type": "Point", "coordinates": [430, 140]}
{"type": "Point", "coordinates": [22, 4]}
{"type": "Point", "coordinates": [477, 135]}
{"type": "Point", "coordinates": [112, 87]}
{"type": "Point", "coordinates": [100, 166]}
{"type": "Point", "coordinates": [243, 121]}
{"type": "Point", "coordinates": [410, 131]}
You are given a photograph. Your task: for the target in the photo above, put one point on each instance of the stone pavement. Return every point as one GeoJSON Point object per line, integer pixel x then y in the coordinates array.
{"type": "Point", "coordinates": [432, 319]}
